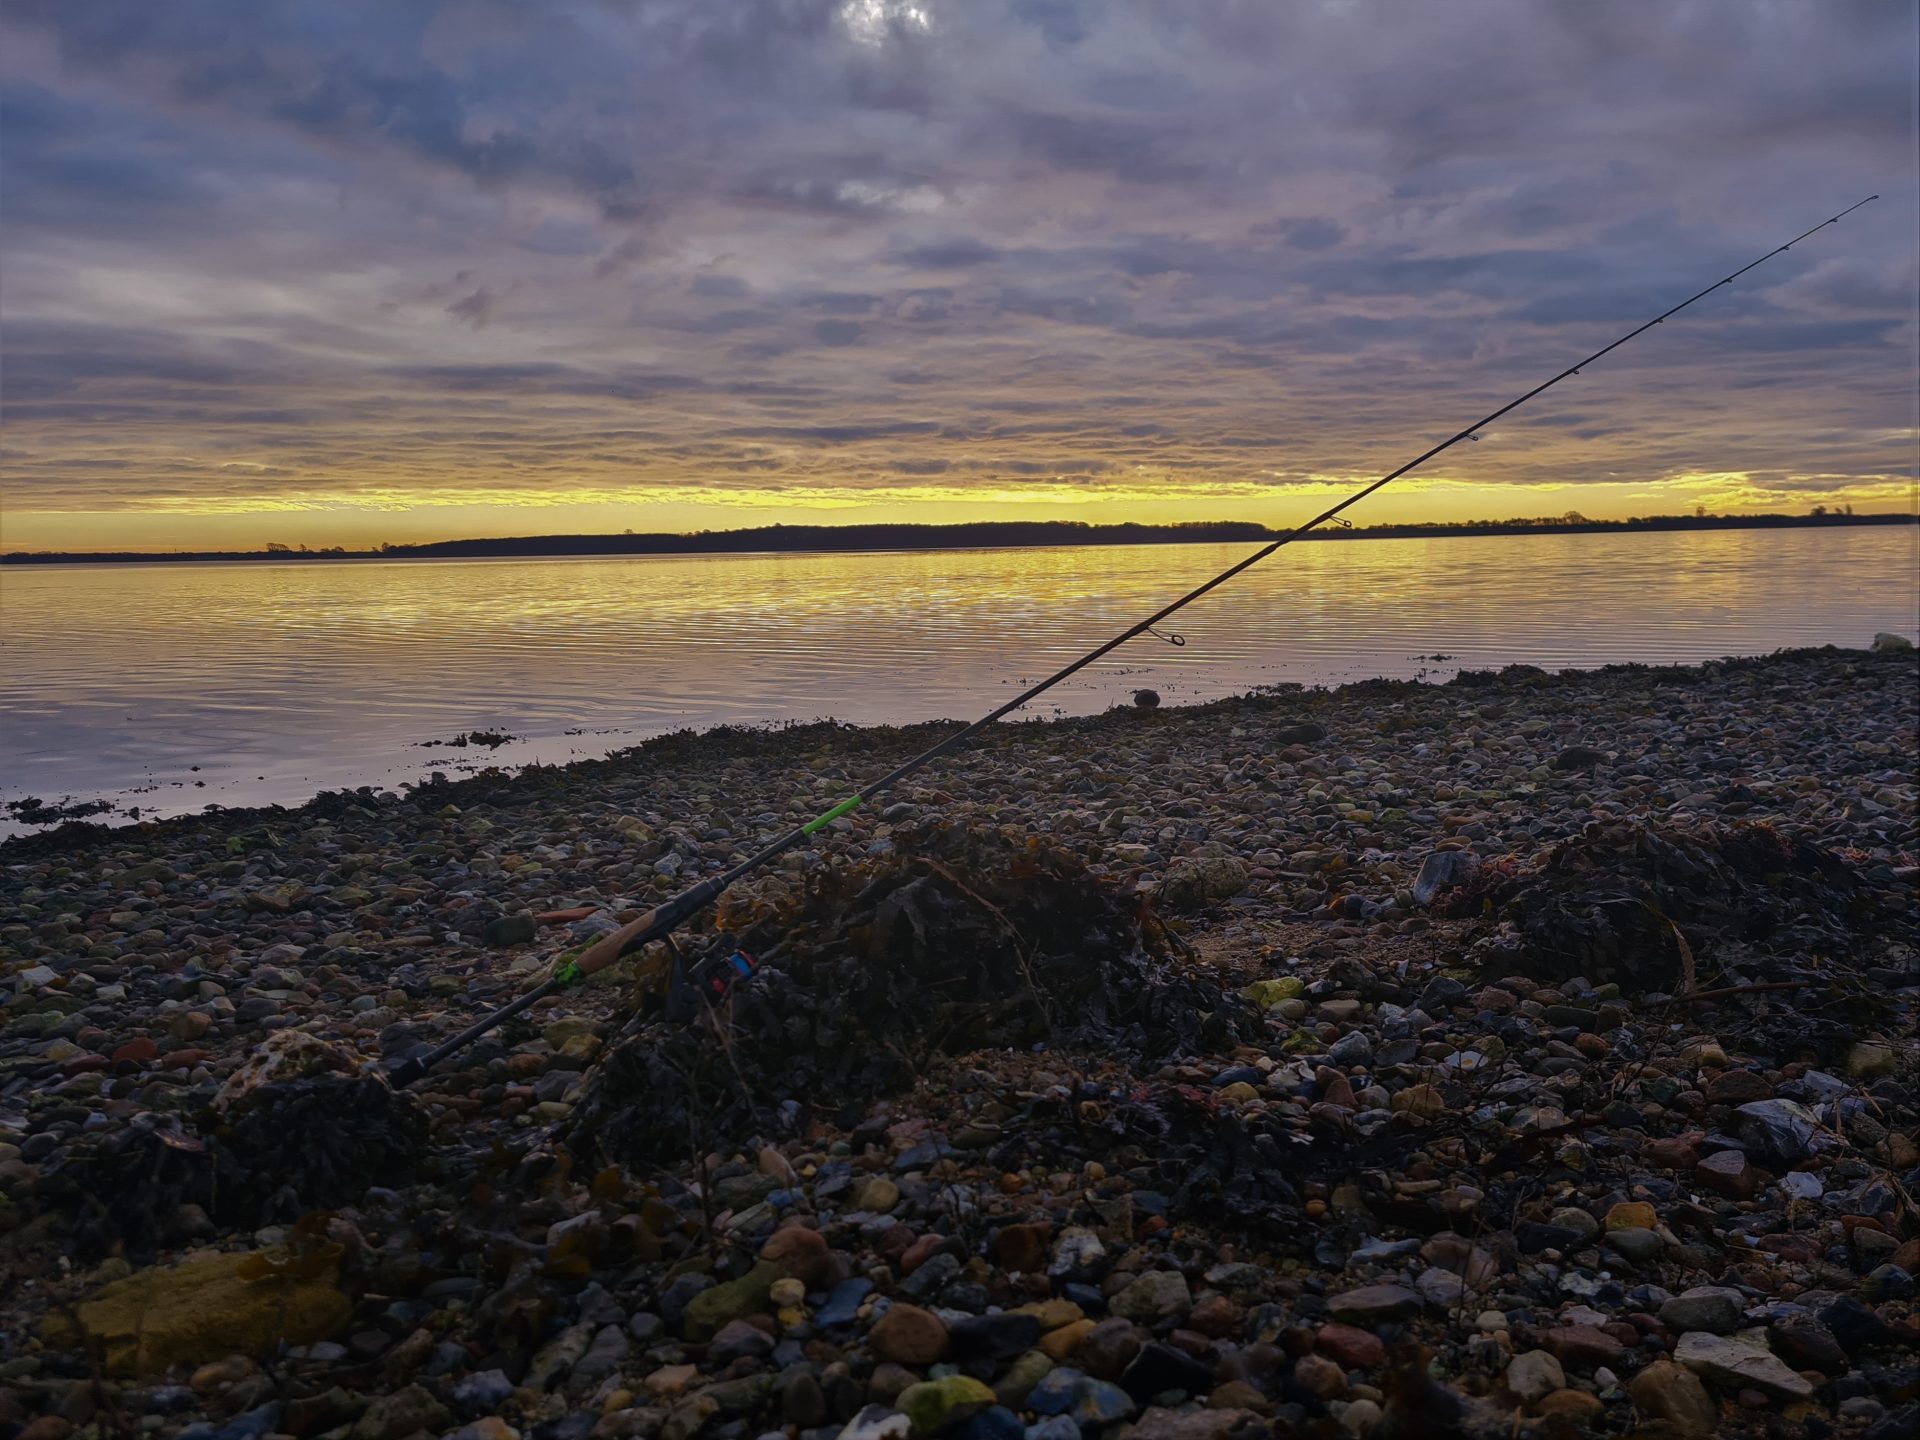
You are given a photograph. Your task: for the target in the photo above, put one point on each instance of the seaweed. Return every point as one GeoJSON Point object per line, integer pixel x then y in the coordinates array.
{"type": "Point", "coordinates": [1641, 904]}
{"type": "Point", "coordinates": [960, 939]}
{"type": "Point", "coordinates": [35, 811]}
{"type": "Point", "coordinates": [297, 1146]}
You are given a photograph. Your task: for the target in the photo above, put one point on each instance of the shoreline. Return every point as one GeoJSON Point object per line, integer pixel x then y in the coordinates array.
{"type": "Point", "coordinates": [894, 741]}
{"type": "Point", "coordinates": [1406, 1068]}
{"type": "Point", "coordinates": [995, 535]}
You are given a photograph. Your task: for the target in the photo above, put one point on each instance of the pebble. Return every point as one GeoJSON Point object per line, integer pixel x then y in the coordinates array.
{"type": "Point", "coordinates": [1667, 1392]}
{"type": "Point", "coordinates": [1705, 1307]}
{"type": "Point", "coordinates": [933, 1405]}
{"type": "Point", "coordinates": [1737, 1363]}
{"type": "Point", "coordinates": [1156, 1295]}
{"type": "Point", "coordinates": [1372, 1304]}
{"type": "Point", "coordinates": [877, 1422]}
{"type": "Point", "coordinates": [908, 1335]}
{"type": "Point", "coordinates": [1533, 1375]}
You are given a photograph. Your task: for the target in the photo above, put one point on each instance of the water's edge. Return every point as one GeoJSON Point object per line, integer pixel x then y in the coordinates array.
{"type": "Point", "coordinates": [720, 743]}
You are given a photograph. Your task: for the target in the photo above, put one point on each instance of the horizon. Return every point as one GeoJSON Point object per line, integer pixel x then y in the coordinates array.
{"type": "Point", "coordinates": [342, 274]}
{"type": "Point", "coordinates": [1571, 521]}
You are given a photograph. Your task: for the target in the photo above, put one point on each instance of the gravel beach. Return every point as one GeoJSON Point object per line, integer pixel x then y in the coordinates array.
{"type": "Point", "coordinates": [1528, 1053]}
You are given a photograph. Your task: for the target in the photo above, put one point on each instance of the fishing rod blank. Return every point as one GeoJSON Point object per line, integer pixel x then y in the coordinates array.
{"type": "Point", "coordinates": [661, 922]}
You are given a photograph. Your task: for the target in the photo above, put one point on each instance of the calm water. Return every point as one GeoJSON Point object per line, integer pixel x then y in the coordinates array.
{"type": "Point", "coordinates": [171, 686]}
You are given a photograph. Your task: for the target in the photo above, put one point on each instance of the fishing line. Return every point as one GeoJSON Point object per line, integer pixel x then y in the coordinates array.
{"type": "Point", "coordinates": [668, 917]}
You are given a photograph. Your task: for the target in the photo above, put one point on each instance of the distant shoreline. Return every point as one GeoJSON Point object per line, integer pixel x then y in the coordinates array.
{"type": "Point", "coordinates": [978, 535]}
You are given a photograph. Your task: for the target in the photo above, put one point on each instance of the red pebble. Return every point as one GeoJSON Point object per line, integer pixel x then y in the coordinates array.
{"type": "Point", "coordinates": [1355, 1349]}
{"type": "Point", "coordinates": [136, 1052]}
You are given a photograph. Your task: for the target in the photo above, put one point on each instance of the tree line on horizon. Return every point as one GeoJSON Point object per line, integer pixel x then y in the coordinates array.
{"type": "Point", "coordinates": [973, 534]}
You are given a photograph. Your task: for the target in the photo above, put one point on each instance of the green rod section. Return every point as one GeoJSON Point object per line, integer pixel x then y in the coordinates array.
{"type": "Point", "coordinates": [820, 822]}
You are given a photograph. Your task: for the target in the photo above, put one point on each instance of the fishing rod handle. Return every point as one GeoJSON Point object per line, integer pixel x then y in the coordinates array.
{"type": "Point", "coordinates": [656, 924]}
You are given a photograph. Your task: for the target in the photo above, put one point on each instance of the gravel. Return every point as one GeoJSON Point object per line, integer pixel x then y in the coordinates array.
{"type": "Point", "coordinates": [1426, 1184]}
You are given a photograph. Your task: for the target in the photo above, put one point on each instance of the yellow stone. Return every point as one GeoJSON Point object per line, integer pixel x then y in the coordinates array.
{"type": "Point", "coordinates": [1632, 1215]}
{"type": "Point", "coordinates": [670, 1380]}
{"type": "Point", "coordinates": [582, 1047]}
{"type": "Point", "coordinates": [1425, 1101]}
{"type": "Point", "coordinates": [1060, 1344]}
{"type": "Point", "coordinates": [1269, 993]}
{"type": "Point", "coordinates": [216, 1373]}
{"type": "Point", "coordinates": [1239, 1092]}
{"type": "Point", "coordinates": [1574, 1404]}
{"type": "Point", "coordinates": [1706, 1053]}
{"type": "Point", "coordinates": [204, 1310]}
{"type": "Point", "coordinates": [1052, 1314]}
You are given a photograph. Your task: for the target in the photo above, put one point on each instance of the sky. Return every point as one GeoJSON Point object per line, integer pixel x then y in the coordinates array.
{"type": "Point", "coordinates": [350, 271]}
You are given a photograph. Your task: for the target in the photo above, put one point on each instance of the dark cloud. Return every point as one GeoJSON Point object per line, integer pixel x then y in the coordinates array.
{"type": "Point", "coordinates": [838, 434]}
{"type": "Point", "coordinates": [493, 378]}
{"type": "Point", "coordinates": [837, 302]}
{"type": "Point", "coordinates": [957, 253]}
{"type": "Point", "coordinates": [838, 332]}
{"type": "Point", "coordinates": [1125, 148]}
{"type": "Point", "coordinates": [1315, 232]}
{"type": "Point", "coordinates": [720, 287]}
{"type": "Point", "coordinates": [474, 308]}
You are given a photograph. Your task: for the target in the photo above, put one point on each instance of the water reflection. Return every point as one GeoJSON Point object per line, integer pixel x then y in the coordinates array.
{"type": "Point", "coordinates": [277, 680]}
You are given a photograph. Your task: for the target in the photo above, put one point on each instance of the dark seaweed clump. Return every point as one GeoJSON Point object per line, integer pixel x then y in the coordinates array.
{"type": "Point", "coordinates": [962, 940]}
{"type": "Point", "coordinates": [298, 1146]}
{"type": "Point", "coordinates": [1648, 906]}
{"type": "Point", "coordinates": [35, 811]}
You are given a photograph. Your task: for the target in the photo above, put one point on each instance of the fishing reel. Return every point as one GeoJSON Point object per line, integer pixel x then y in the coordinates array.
{"type": "Point", "coordinates": [707, 981]}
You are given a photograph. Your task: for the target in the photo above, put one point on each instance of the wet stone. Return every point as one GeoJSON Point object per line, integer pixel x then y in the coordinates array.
{"type": "Point", "coordinates": [1728, 1173]}
{"type": "Point", "coordinates": [1374, 1304]}
{"type": "Point", "coordinates": [909, 1335]}
{"type": "Point", "coordinates": [1534, 1375]}
{"type": "Point", "coordinates": [1352, 1348]}
{"type": "Point", "coordinates": [1705, 1307]}
{"type": "Point", "coordinates": [1733, 1363]}
{"type": "Point", "coordinates": [1156, 1295]}
{"type": "Point", "coordinates": [1806, 1344]}
{"type": "Point", "coordinates": [1108, 1348]}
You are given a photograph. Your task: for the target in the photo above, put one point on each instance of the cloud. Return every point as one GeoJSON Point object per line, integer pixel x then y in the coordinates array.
{"type": "Point", "coordinates": [838, 332]}
{"type": "Point", "coordinates": [957, 253]}
{"type": "Point", "coordinates": [1315, 232]}
{"type": "Point", "coordinates": [475, 308]}
{"type": "Point", "coordinates": [293, 249]}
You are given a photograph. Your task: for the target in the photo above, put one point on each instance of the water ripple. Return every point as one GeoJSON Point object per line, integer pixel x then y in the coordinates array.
{"type": "Point", "coordinates": [276, 680]}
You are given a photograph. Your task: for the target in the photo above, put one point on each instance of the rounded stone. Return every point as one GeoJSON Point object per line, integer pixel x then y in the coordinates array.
{"type": "Point", "coordinates": [908, 1335]}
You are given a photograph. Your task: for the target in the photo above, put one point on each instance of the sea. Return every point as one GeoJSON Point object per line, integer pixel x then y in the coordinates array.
{"type": "Point", "coordinates": [161, 688]}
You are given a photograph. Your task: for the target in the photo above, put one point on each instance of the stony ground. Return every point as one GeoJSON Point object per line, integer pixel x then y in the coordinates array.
{"type": "Point", "coordinates": [1440, 1177]}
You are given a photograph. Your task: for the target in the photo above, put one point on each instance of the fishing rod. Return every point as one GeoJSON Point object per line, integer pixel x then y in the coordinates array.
{"type": "Point", "coordinates": [661, 922]}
